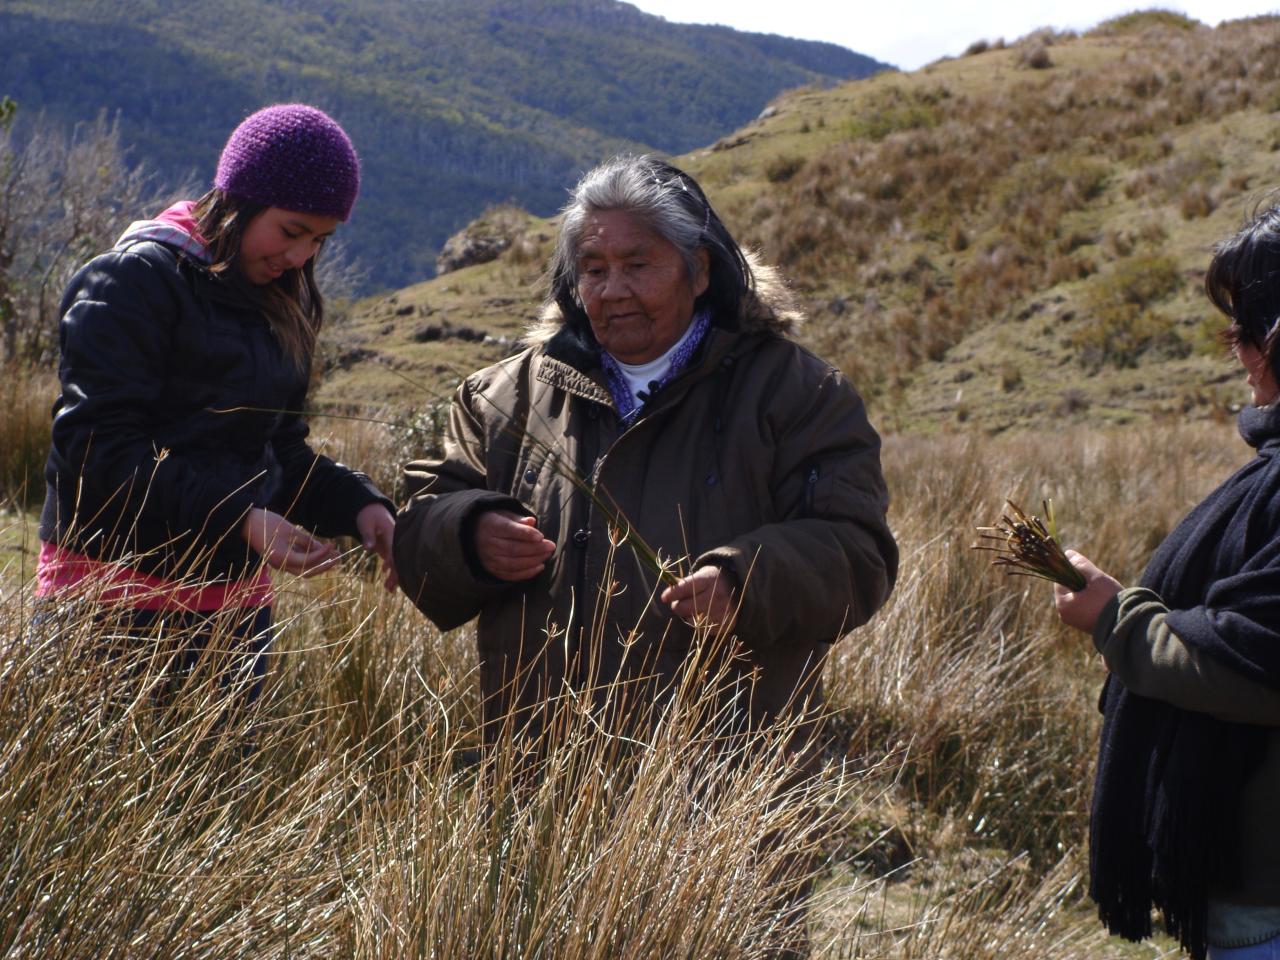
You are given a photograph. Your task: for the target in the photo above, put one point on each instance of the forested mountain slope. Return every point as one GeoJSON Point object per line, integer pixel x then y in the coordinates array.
{"type": "Point", "coordinates": [453, 104]}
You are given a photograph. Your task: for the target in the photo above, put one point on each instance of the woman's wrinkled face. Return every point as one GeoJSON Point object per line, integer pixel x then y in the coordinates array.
{"type": "Point", "coordinates": [1261, 377]}
{"type": "Point", "coordinates": [634, 286]}
{"type": "Point", "coordinates": [277, 240]}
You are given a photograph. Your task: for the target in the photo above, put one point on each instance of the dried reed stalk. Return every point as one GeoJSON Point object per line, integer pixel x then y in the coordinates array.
{"type": "Point", "coordinates": [1029, 547]}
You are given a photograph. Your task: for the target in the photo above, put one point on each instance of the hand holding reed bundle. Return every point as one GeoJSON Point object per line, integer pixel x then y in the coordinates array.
{"type": "Point", "coordinates": [1029, 547]}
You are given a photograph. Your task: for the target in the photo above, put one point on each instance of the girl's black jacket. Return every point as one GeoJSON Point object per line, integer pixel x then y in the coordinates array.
{"type": "Point", "coordinates": [178, 413]}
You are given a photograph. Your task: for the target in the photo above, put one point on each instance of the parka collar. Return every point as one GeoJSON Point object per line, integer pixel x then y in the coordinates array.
{"type": "Point", "coordinates": [570, 364]}
{"type": "Point", "coordinates": [565, 376]}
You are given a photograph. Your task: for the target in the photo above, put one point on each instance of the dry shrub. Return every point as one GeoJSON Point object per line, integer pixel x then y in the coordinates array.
{"type": "Point", "coordinates": [1138, 182]}
{"type": "Point", "coordinates": [1238, 182]}
{"type": "Point", "coordinates": [1145, 83]}
{"type": "Point", "coordinates": [1152, 232]}
{"type": "Point", "coordinates": [1035, 57]}
{"type": "Point", "coordinates": [991, 280]}
{"type": "Point", "coordinates": [897, 110]}
{"type": "Point", "coordinates": [25, 424]}
{"type": "Point", "coordinates": [528, 250]}
{"type": "Point", "coordinates": [1140, 280]}
{"type": "Point", "coordinates": [1143, 20]}
{"type": "Point", "coordinates": [383, 443]}
{"type": "Point", "coordinates": [1186, 169]}
{"type": "Point", "coordinates": [1123, 333]}
{"type": "Point", "coordinates": [1121, 325]}
{"type": "Point", "coordinates": [1119, 242]}
{"type": "Point", "coordinates": [1070, 268]}
{"type": "Point", "coordinates": [1071, 402]}
{"type": "Point", "coordinates": [1074, 240]}
{"type": "Point", "coordinates": [783, 168]}
{"type": "Point", "coordinates": [1196, 202]}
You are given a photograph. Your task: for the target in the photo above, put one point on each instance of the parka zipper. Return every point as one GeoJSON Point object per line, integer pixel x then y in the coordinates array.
{"type": "Point", "coordinates": [810, 487]}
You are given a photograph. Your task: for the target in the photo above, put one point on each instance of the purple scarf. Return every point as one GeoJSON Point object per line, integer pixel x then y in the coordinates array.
{"type": "Point", "coordinates": [620, 388]}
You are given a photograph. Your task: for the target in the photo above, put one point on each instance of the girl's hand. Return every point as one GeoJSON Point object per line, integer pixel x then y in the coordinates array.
{"type": "Point", "coordinates": [1081, 608]}
{"type": "Point", "coordinates": [706, 596]}
{"type": "Point", "coordinates": [377, 528]}
{"type": "Point", "coordinates": [510, 546]}
{"type": "Point", "coordinates": [285, 546]}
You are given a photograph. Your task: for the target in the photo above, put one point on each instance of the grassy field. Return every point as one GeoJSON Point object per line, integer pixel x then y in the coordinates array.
{"type": "Point", "coordinates": [1004, 251]}
{"type": "Point", "coordinates": [347, 815]}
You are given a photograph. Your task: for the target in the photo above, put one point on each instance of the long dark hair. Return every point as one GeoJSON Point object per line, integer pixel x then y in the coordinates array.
{"type": "Point", "coordinates": [1243, 281]}
{"type": "Point", "coordinates": [672, 203]}
{"type": "Point", "coordinates": [292, 303]}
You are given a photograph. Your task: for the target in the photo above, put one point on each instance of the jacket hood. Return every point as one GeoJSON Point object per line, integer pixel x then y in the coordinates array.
{"type": "Point", "coordinates": [175, 227]}
{"type": "Point", "coordinates": [770, 308]}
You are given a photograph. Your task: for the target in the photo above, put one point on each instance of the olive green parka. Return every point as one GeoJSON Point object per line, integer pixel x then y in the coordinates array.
{"type": "Point", "coordinates": [757, 458]}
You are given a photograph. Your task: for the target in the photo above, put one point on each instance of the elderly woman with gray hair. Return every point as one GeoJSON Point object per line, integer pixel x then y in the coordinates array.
{"type": "Point", "coordinates": [662, 375]}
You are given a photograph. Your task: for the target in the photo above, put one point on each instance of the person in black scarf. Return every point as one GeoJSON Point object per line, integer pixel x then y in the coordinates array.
{"type": "Point", "coordinates": [1186, 803]}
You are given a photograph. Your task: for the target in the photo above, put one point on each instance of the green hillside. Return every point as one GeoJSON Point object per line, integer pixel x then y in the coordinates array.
{"type": "Point", "coordinates": [1016, 237]}
{"type": "Point", "coordinates": [453, 104]}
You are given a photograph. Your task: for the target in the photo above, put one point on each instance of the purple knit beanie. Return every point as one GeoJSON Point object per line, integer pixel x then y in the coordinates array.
{"type": "Point", "coordinates": [291, 156]}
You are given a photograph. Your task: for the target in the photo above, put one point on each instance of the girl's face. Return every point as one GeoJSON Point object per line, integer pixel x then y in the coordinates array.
{"type": "Point", "coordinates": [1261, 377]}
{"type": "Point", "coordinates": [277, 240]}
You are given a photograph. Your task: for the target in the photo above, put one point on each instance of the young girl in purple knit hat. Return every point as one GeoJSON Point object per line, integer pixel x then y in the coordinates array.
{"type": "Point", "coordinates": [179, 463]}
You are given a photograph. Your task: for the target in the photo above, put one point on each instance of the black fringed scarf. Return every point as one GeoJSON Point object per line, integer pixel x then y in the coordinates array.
{"type": "Point", "coordinates": [1168, 784]}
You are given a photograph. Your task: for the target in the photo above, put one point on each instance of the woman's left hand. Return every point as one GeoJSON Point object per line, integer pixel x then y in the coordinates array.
{"type": "Point", "coordinates": [1080, 609]}
{"type": "Point", "coordinates": [706, 597]}
{"type": "Point", "coordinates": [377, 527]}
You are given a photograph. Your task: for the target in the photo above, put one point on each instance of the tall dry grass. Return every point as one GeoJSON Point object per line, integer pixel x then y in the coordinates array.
{"type": "Point", "coordinates": [26, 395]}
{"type": "Point", "coordinates": [967, 670]}
{"type": "Point", "coordinates": [347, 813]}
{"type": "Point", "coordinates": [989, 700]}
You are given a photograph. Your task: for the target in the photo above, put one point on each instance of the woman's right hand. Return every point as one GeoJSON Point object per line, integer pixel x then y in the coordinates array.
{"type": "Point", "coordinates": [510, 546]}
{"type": "Point", "coordinates": [1080, 609]}
{"type": "Point", "coordinates": [286, 546]}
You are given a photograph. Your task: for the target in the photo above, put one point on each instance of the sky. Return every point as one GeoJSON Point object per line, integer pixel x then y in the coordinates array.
{"type": "Point", "coordinates": [911, 34]}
